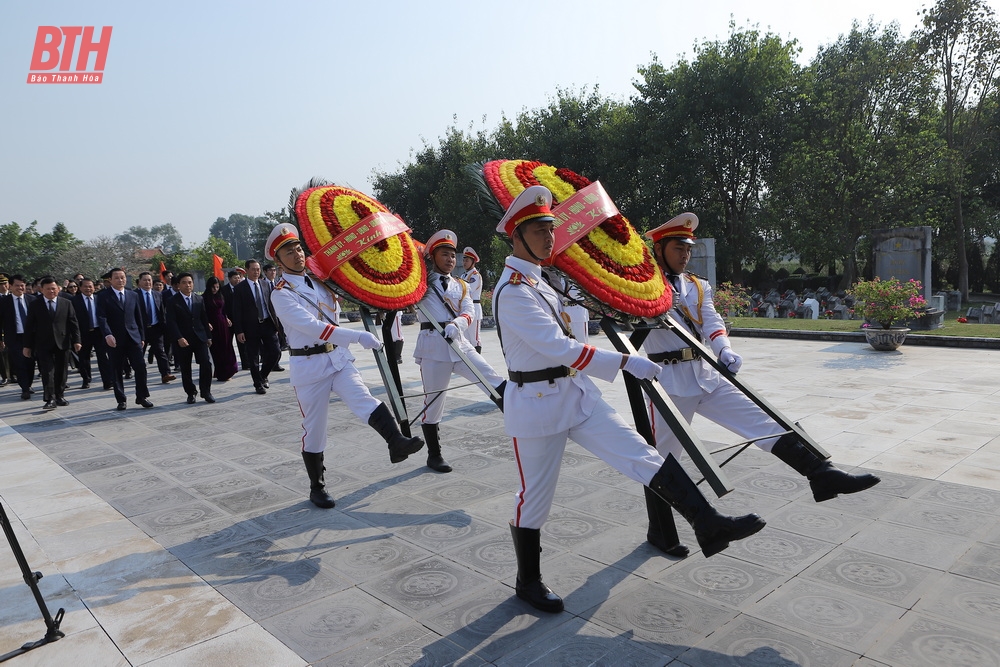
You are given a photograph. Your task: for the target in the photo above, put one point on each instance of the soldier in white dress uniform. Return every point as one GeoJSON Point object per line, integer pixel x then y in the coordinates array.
{"type": "Point", "coordinates": [695, 386]}
{"type": "Point", "coordinates": [474, 280]}
{"type": "Point", "coordinates": [449, 302]}
{"type": "Point", "coordinates": [549, 398]}
{"type": "Point", "coordinates": [320, 362]}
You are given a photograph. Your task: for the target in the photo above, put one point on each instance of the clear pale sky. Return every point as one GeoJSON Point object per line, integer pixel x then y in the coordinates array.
{"type": "Point", "coordinates": [212, 108]}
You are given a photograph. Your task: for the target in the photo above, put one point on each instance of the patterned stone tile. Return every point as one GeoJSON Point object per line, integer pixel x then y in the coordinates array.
{"type": "Point", "coordinates": [455, 493]}
{"type": "Point", "coordinates": [663, 618]}
{"type": "Point", "coordinates": [425, 587]}
{"type": "Point", "coordinates": [171, 518]}
{"type": "Point", "coordinates": [626, 506]}
{"type": "Point", "coordinates": [771, 484]}
{"type": "Point", "coordinates": [236, 561]}
{"type": "Point", "coordinates": [568, 528]}
{"type": "Point", "coordinates": [870, 504]}
{"type": "Point", "coordinates": [779, 550]}
{"type": "Point", "coordinates": [582, 643]}
{"type": "Point", "coordinates": [751, 641]}
{"type": "Point", "coordinates": [813, 520]}
{"type": "Point", "coordinates": [919, 641]}
{"type": "Point", "coordinates": [722, 579]}
{"type": "Point", "coordinates": [493, 623]}
{"type": "Point", "coordinates": [981, 562]}
{"type": "Point", "coordinates": [740, 502]}
{"type": "Point", "coordinates": [968, 602]}
{"type": "Point", "coordinates": [962, 497]}
{"type": "Point", "coordinates": [148, 501]}
{"type": "Point", "coordinates": [992, 534]}
{"type": "Point", "coordinates": [581, 582]}
{"type": "Point", "coordinates": [256, 499]}
{"type": "Point", "coordinates": [830, 614]}
{"type": "Point", "coordinates": [283, 588]}
{"type": "Point", "coordinates": [334, 623]}
{"type": "Point", "coordinates": [894, 484]}
{"type": "Point", "coordinates": [886, 579]}
{"type": "Point", "coordinates": [367, 558]}
{"type": "Point", "coordinates": [942, 519]}
{"type": "Point", "coordinates": [908, 544]}
{"type": "Point", "coordinates": [445, 531]}
{"type": "Point", "coordinates": [329, 530]}
{"type": "Point", "coordinates": [413, 644]}
{"type": "Point", "coordinates": [123, 480]}
{"type": "Point", "coordinates": [625, 548]}
{"type": "Point", "coordinates": [394, 511]}
{"type": "Point", "coordinates": [180, 460]}
{"type": "Point", "coordinates": [97, 463]}
{"type": "Point", "coordinates": [73, 452]}
{"type": "Point", "coordinates": [203, 538]}
{"type": "Point", "coordinates": [235, 481]}
{"type": "Point", "coordinates": [492, 554]}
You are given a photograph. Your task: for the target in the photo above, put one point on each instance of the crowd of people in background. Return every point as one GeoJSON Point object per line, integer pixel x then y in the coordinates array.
{"type": "Point", "coordinates": [51, 328]}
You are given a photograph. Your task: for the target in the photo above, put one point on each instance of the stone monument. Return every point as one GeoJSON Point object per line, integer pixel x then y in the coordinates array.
{"type": "Point", "coordinates": [703, 260]}
{"type": "Point", "coordinates": [905, 254]}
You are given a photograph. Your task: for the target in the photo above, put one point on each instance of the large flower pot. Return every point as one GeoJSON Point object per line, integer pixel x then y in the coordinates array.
{"type": "Point", "coordinates": [886, 340]}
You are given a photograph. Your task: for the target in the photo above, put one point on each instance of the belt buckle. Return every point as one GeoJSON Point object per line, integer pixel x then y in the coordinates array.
{"type": "Point", "coordinates": [572, 372]}
{"type": "Point", "coordinates": [687, 354]}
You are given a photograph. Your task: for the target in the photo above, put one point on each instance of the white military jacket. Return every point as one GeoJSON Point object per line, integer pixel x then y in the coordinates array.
{"type": "Point", "coordinates": [526, 309]}
{"type": "Point", "coordinates": [694, 309]}
{"type": "Point", "coordinates": [430, 344]}
{"type": "Point", "coordinates": [306, 327]}
{"type": "Point", "coordinates": [474, 280]}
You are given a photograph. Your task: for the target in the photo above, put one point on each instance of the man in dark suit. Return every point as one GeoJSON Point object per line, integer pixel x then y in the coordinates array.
{"type": "Point", "coordinates": [50, 331]}
{"type": "Point", "coordinates": [5, 373]}
{"type": "Point", "coordinates": [156, 327]}
{"type": "Point", "coordinates": [235, 278]}
{"type": "Point", "coordinates": [255, 325]}
{"type": "Point", "coordinates": [91, 338]}
{"type": "Point", "coordinates": [188, 322]}
{"type": "Point", "coordinates": [13, 315]}
{"type": "Point", "coordinates": [120, 317]}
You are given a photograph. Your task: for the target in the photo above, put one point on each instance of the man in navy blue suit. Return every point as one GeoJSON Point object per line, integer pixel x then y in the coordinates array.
{"type": "Point", "coordinates": [158, 339]}
{"type": "Point", "coordinates": [13, 315]}
{"type": "Point", "coordinates": [120, 317]}
{"type": "Point", "coordinates": [188, 323]}
{"type": "Point", "coordinates": [91, 337]}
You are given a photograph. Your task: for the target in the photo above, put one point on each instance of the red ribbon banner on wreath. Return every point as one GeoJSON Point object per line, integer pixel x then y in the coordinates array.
{"type": "Point", "coordinates": [352, 241]}
{"type": "Point", "coordinates": [579, 214]}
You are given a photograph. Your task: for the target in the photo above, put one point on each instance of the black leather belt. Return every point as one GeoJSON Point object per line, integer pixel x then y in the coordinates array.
{"type": "Point", "coordinates": [429, 326]}
{"type": "Point", "coordinates": [315, 349]}
{"type": "Point", "coordinates": [549, 375]}
{"type": "Point", "coordinates": [476, 301]}
{"type": "Point", "coordinates": [263, 320]}
{"type": "Point", "coordinates": [675, 357]}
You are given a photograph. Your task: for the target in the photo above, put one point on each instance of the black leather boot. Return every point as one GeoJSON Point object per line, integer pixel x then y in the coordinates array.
{"type": "Point", "coordinates": [826, 480]}
{"type": "Point", "coordinates": [529, 586]}
{"type": "Point", "coordinates": [317, 487]}
{"type": "Point", "coordinates": [399, 445]}
{"type": "Point", "coordinates": [662, 532]}
{"type": "Point", "coordinates": [713, 530]}
{"type": "Point", "coordinates": [479, 349]}
{"type": "Point", "coordinates": [397, 350]}
{"type": "Point", "coordinates": [434, 459]}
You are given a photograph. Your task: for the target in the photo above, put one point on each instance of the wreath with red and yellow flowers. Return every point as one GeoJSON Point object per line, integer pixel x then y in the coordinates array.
{"type": "Point", "coordinates": [387, 275]}
{"type": "Point", "coordinates": [611, 263]}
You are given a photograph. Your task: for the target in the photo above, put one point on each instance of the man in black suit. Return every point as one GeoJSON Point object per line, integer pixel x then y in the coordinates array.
{"type": "Point", "coordinates": [235, 278]}
{"type": "Point", "coordinates": [156, 327]}
{"type": "Point", "coordinates": [255, 325]}
{"type": "Point", "coordinates": [50, 331]}
{"type": "Point", "coordinates": [91, 338]}
{"type": "Point", "coordinates": [120, 317]}
{"type": "Point", "coordinates": [188, 322]}
{"type": "Point", "coordinates": [13, 315]}
{"type": "Point", "coordinates": [5, 373]}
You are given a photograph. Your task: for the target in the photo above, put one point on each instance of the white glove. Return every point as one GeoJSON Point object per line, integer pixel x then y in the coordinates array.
{"type": "Point", "coordinates": [452, 331]}
{"type": "Point", "coordinates": [731, 360]}
{"type": "Point", "coordinates": [641, 367]}
{"type": "Point", "coordinates": [369, 341]}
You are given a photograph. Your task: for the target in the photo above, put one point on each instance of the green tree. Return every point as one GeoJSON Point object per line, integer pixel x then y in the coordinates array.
{"type": "Point", "coordinates": [245, 234]}
{"type": "Point", "coordinates": [862, 148]}
{"type": "Point", "coordinates": [94, 258]}
{"type": "Point", "coordinates": [165, 237]}
{"type": "Point", "coordinates": [200, 259]}
{"type": "Point", "coordinates": [715, 128]}
{"type": "Point", "coordinates": [961, 39]}
{"type": "Point", "coordinates": [27, 252]}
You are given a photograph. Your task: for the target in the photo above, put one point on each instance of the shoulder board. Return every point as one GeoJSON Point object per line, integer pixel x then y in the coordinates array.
{"type": "Point", "coordinates": [281, 283]}
{"type": "Point", "coordinates": [691, 274]}
{"type": "Point", "coordinates": [516, 278]}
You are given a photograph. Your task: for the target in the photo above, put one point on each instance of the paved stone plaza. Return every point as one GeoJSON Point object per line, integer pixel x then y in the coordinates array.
{"type": "Point", "coordinates": [181, 535]}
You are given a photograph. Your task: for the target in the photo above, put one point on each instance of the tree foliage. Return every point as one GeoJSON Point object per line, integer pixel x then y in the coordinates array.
{"type": "Point", "coordinates": [165, 237]}
{"type": "Point", "coordinates": [95, 257]}
{"type": "Point", "coordinates": [31, 254]}
{"type": "Point", "coordinates": [245, 234]}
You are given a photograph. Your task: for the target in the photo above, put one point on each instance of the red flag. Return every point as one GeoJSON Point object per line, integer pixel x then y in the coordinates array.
{"type": "Point", "coordinates": [217, 267]}
{"type": "Point", "coordinates": [163, 268]}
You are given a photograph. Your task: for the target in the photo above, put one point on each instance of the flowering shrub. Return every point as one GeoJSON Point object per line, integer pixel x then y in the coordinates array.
{"type": "Point", "coordinates": [486, 301]}
{"type": "Point", "coordinates": [963, 320]}
{"type": "Point", "coordinates": [888, 301]}
{"type": "Point", "coordinates": [732, 300]}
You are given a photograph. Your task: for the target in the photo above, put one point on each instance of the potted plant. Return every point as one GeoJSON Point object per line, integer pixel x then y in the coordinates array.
{"type": "Point", "coordinates": [885, 303]}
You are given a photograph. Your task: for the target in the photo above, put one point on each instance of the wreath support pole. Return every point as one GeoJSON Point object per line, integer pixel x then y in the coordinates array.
{"type": "Point", "coordinates": [388, 369]}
